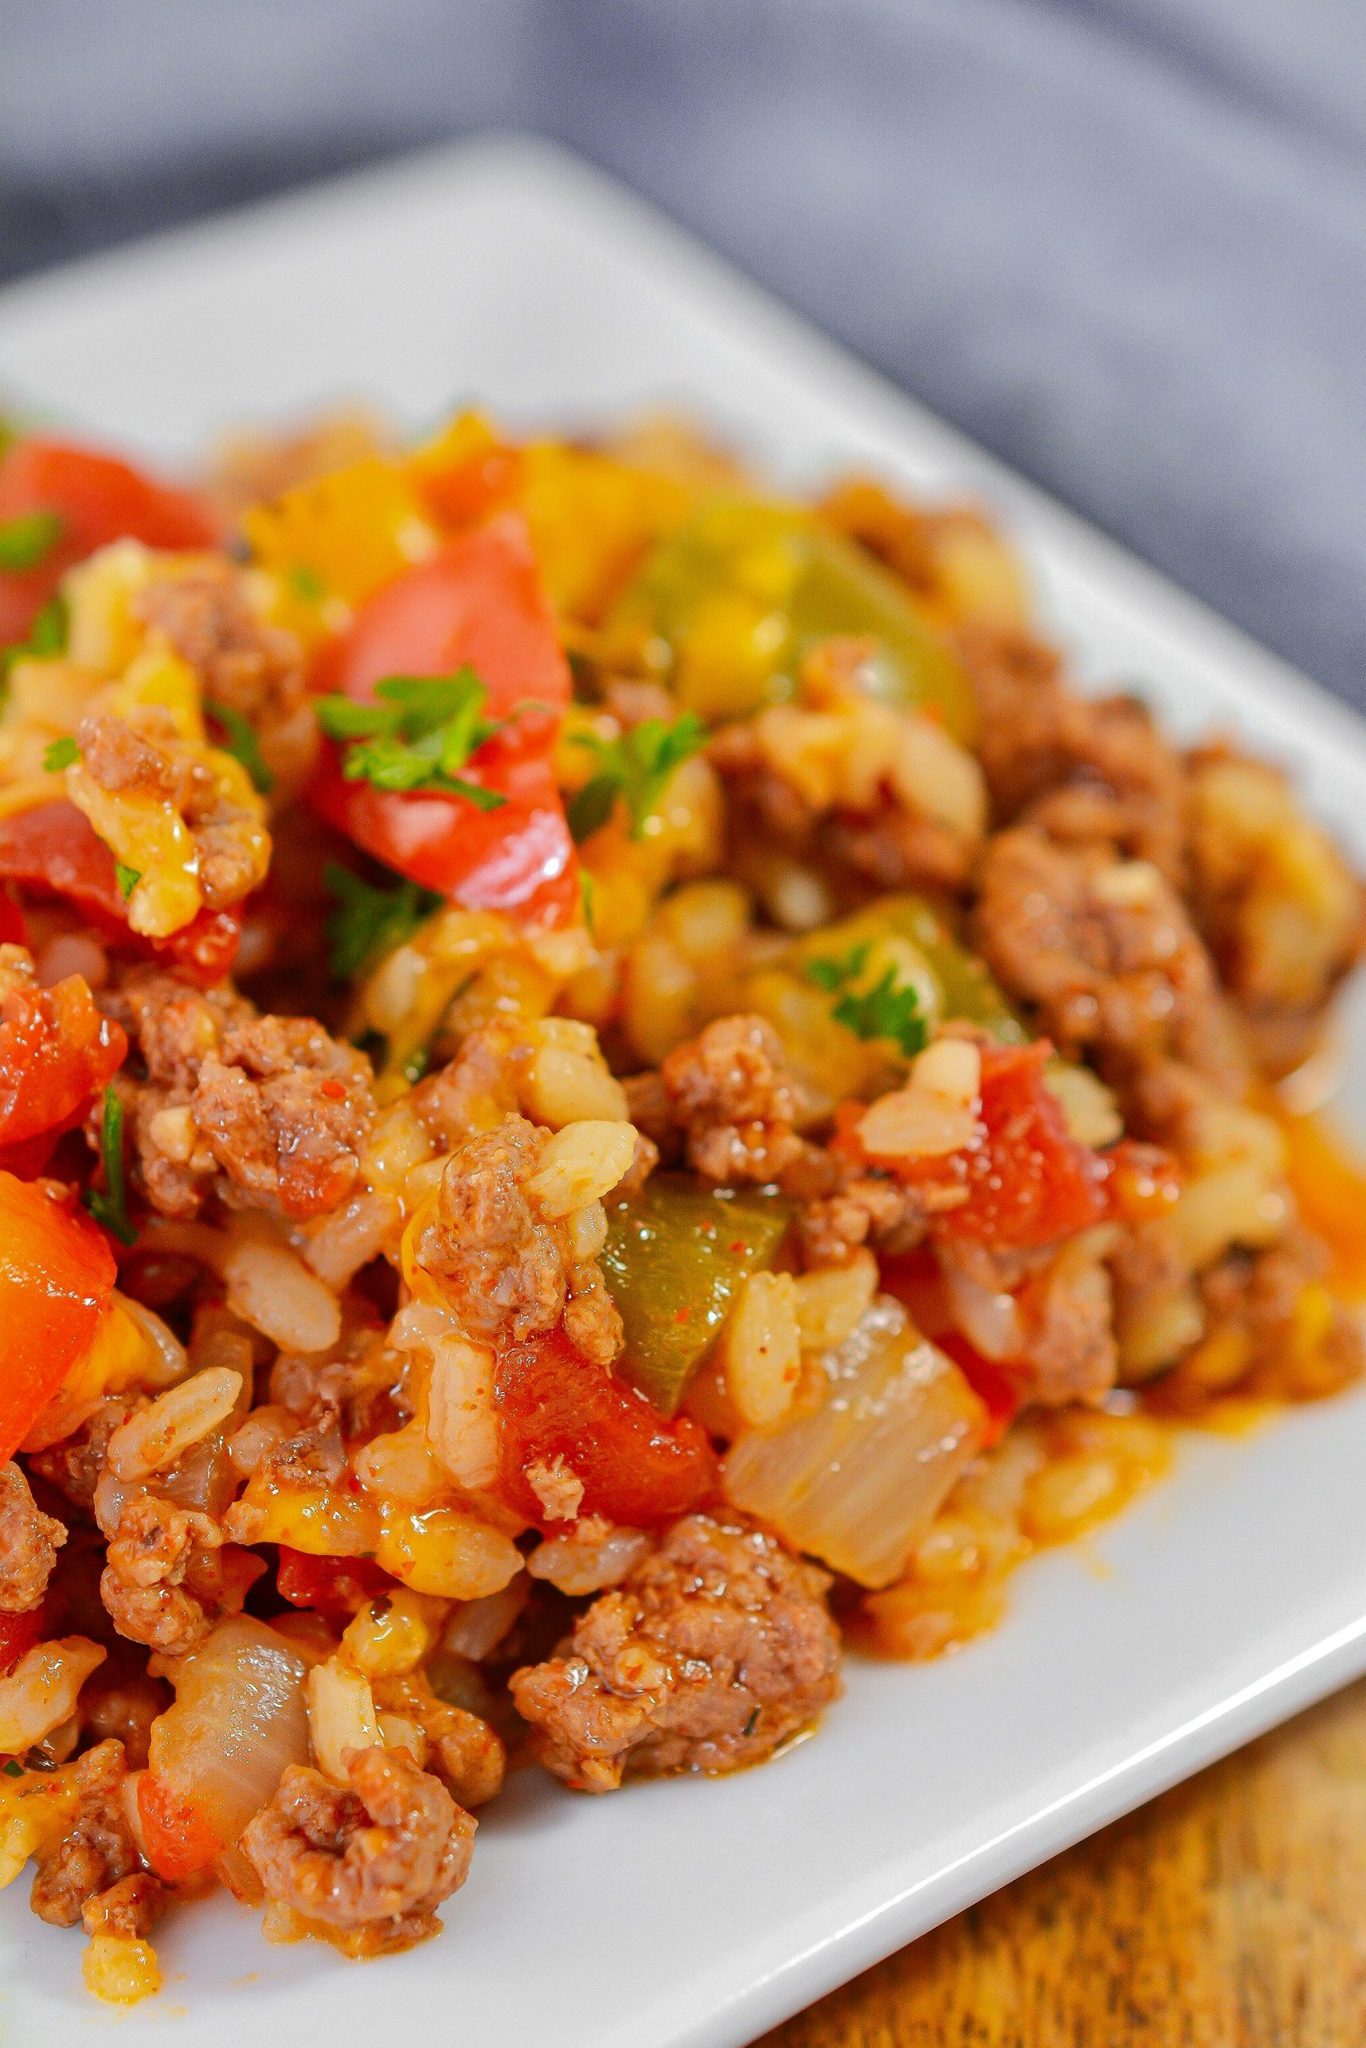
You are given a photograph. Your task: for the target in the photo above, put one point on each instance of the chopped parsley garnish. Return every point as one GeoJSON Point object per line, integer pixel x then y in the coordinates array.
{"type": "Point", "coordinates": [61, 754]}
{"type": "Point", "coordinates": [242, 743]}
{"type": "Point", "coordinates": [368, 921]}
{"type": "Point", "coordinates": [588, 891]}
{"type": "Point", "coordinates": [12, 1767]}
{"type": "Point", "coordinates": [889, 1009]}
{"type": "Point", "coordinates": [127, 878]}
{"type": "Point", "coordinates": [839, 971]}
{"type": "Point", "coordinates": [634, 767]}
{"type": "Point", "coordinates": [110, 1206]}
{"type": "Point", "coordinates": [28, 539]}
{"type": "Point", "coordinates": [47, 636]}
{"type": "Point", "coordinates": [307, 583]}
{"type": "Point", "coordinates": [416, 735]}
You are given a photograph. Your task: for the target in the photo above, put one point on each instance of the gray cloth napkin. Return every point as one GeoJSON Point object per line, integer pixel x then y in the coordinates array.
{"type": "Point", "coordinates": [1122, 242]}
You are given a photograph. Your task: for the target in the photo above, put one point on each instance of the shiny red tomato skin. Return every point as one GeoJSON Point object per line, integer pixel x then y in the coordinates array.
{"type": "Point", "coordinates": [334, 1586]}
{"type": "Point", "coordinates": [635, 1466]}
{"type": "Point", "coordinates": [478, 602]}
{"type": "Point", "coordinates": [98, 498]}
{"type": "Point", "coordinates": [18, 1634]}
{"type": "Point", "coordinates": [180, 1839]}
{"type": "Point", "coordinates": [56, 1277]}
{"type": "Point", "coordinates": [56, 1052]}
{"type": "Point", "coordinates": [52, 849]}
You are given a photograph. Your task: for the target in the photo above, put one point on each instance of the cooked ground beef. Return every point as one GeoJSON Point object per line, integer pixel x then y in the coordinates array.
{"type": "Point", "coordinates": [254, 669]}
{"type": "Point", "coordinates": [157, 1549]}
{"type": "Point", "coordinates": [371, 1861]}
{"type": "Point", "coordinates": [714, 1651]}
{"type": "Point", "coordinates": [510, 1273]}
{"type": "Point", "coordinates": [730, 1093]}
{"type": "Point", "coordinates": [270, 1111]}
{"type": "Point", "coordinates": [29, 1542]}
{"type": "Point", "coordinates": [891, 842]}
{"type": "Point", "coordinates": [97, 1850]}
{"type": "Point", "coordinates": [1082, 770]}
{"type": "Point", "coordinates": [146, 757]}
{"type": "Point", "coordinates": [1103, 953]}
{"type": "Point", "coordinates": [127, 1909]}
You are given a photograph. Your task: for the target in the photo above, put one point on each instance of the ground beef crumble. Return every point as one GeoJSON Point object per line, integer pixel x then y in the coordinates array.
{"type": "Point", "coordinates": [1104, 955]}
{"type": "Point", "coordinates": [372, 1860]}
{"type": "Point", "coordinates": [97, 1850]}
{"type": "Point", "coordinates": [270, 1111]}
{"type": "Point", "coordinates": [245, 664]}
{"type": "Point", "coordinates": [730, 1093]}
{"type": "Point", "coordinates": [510, 1273]}
{"type": "Point", "coordinates": [715, 1650]}
{"type": "Point", "coordinates": [144, 756]}
{"type": "Point", "coordinates": [29, 1542]}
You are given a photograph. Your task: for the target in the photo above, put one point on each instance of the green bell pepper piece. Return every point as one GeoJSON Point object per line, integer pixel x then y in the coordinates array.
{"type": "Point", "coordinates": [674, 1261]}
{"type": "Point", "coordinates": [748, 587]}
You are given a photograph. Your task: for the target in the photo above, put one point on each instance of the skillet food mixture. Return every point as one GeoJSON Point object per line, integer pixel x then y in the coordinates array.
{"type": "Point", "coordinates": [605, 1079]}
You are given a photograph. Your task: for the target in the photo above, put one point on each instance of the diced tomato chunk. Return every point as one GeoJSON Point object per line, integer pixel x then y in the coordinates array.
{"type": "Point", "coordinates": [52, 849]}
{"type": "Point", "coordinates": [994, 1385]}
{"type": "Point", "coordinates": [96, 498]}
{"type": "Point", "coordinates": [1025, 1181]}
{"type": "Point", "coordinates": [635, 1466]}
{"type": "Point", "coordinates": [179, 1836]}
{"type": "Point", "coordinates": [56, 1051]}
{"type": "Point", "coordinates": [56, 1278]}
{"type": "Point", "coordinates": [18, 1634]}
{"type": "Point", "coordinates": [477, 603]}
{"type": "Point", "coordinates": [334, 1586]}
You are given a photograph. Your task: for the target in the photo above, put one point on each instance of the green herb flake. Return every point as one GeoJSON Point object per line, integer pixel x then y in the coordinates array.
{"type": "Point", "coordinates": [61, 754]}
{"type": "Point", "coordinates": [588, 892]}
{"type": "Point", "coordinates": [127, 878]}
{"type": "Point", "coordinates": [635, 768]}
{"type": "Point", "coordinates": [839, 971]}
{"type": "Point", "coordinates": [110, 1206]}
{"type": "Point", "coordinates": [47, 635]}
{"type": "Point", "coordinates": [417, 734]}
{"type": "Point", "coordinates": [242, 743]}
{"type": "Point", "coordinates": [889, 1009]}
{"type": "Point", "coordinates": [368, 921]}
{"type": "Point", "coordinates": [307, 584]}
{"type": "Point", "coordinates": [416, 1065]}
{"type": "Point", "coordinates": [12, 1767]}
{"type": "Point", "coordinates": [886, 1011]}
{"type": "Point", "coordinates": [28, 539]}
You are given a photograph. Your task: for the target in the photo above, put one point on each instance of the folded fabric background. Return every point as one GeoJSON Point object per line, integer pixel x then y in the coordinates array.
{"type": "Point", "coordinates": [1123, 242]}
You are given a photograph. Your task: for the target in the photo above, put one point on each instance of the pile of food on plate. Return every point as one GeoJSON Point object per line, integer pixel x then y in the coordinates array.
{"type": "Point", "coordinates": [606, 1079]}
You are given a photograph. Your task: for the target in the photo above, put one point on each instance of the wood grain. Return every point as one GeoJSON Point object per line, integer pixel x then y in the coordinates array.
{"type": "Point", "coordinates": [1231, 1913]}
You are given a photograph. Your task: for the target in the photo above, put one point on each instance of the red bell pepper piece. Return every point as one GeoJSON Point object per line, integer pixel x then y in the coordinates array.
{"type": "Point", "coordinates": [334, 1586]}
{"type": "Point", "coordinates": [56, 1051]}
{"type": "Point", "coordinates": [56, 1278]}
{"type": "Point", "coordinates": [1026, 1182]}
{"type": "Point", "coordinates": [97, 498]}
{"type": "Point", "coordinates": [635, 1466]}
{"type": "Point", "coordinates": [477, 603]}
{"type": "Point", "coordinates": [52, 849]}
{"type": "Point", "coordinates": [180, 1839]}
{"type": "Point", "coordinates": [18, 1634]}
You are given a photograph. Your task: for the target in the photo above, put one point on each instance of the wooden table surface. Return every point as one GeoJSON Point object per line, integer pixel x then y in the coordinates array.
{"type": "Point", "coordinates": [1231, 1913]}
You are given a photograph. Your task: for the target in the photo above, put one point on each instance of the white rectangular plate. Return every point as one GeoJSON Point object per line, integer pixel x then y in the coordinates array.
{"type": "Point", "coordinates": [695, 1914]}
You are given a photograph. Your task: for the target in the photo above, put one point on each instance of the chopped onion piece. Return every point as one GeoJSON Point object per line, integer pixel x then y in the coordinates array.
{"type": "Point", "coordinates": [239, 1718]}
{"type": "Point", "coordinates": [855, 1480]}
